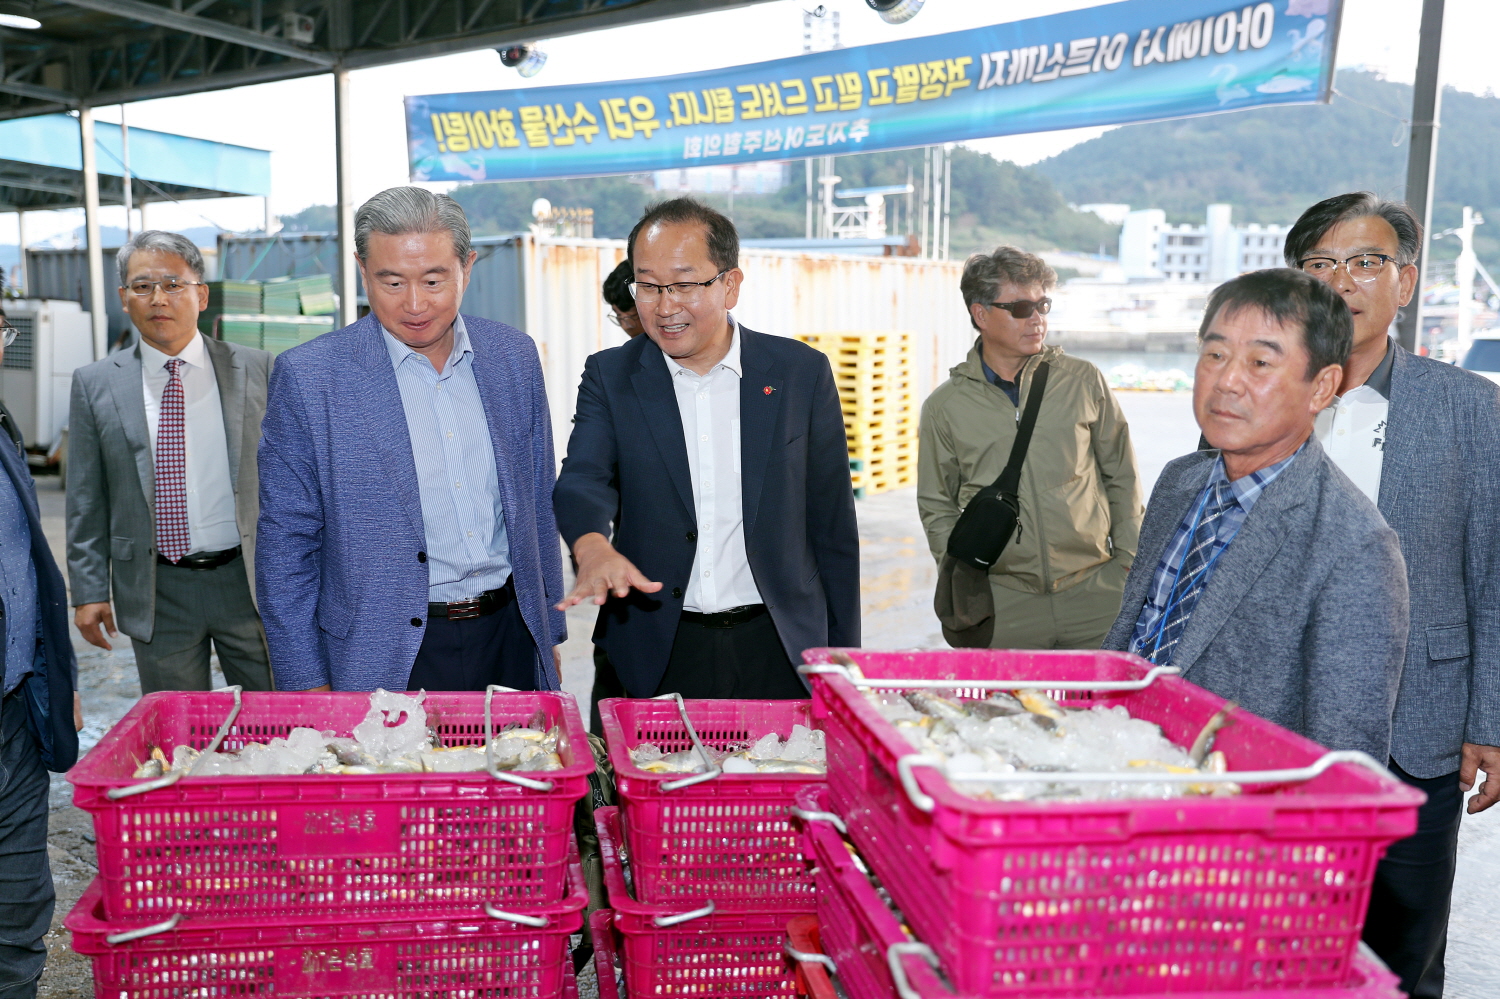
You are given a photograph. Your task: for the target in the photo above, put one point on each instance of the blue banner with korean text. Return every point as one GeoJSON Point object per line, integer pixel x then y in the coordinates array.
{"type": "Point", "coordinates": [1124, 62]}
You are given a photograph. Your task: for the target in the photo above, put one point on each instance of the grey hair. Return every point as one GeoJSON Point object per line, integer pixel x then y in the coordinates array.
{"type": "Point", "coordinates": [397, 211]}
{"type": "Point", "coordinates": [1317, 220]}
{"type": "Point", "coordinates": [162, 242]}
{"type": "Point", "coordinates": [985, 272]}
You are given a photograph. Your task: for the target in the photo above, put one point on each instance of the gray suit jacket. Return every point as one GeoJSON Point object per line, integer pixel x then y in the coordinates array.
{"type": "Point", "coordinates": [1440, 492]}
{"type": "Point", "coordinates": [112, 476]}
{"type": "Point", "coordinates": [1304, 620]}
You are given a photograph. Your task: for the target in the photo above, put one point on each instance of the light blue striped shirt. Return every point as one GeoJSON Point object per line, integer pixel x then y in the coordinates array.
{"type": "Point", "coordinates": [467, 549]}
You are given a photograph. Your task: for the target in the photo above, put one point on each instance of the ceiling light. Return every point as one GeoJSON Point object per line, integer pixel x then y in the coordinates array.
{"type": "Point", "coordinates": [18, 21]}
{"type": "Point", "coordinates": [895, 11]}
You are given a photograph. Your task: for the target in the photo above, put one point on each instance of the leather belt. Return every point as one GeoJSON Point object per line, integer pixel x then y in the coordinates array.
{"type": "Point", "coordinates": [202, 561]}
{"type": "Point", "coordinates": [486, 603]}
{"type": "Point", "coordinates": [727, 618]}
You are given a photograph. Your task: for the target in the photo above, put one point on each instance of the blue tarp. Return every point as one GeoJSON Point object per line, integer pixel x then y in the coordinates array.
{"type": "Point", "coordinates": [52, 141]}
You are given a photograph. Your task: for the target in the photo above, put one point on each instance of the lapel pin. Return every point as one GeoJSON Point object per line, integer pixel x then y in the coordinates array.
{"type": "Point", "coordinates": [768, 390]}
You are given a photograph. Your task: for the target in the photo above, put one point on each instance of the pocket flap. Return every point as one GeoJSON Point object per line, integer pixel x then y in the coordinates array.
{"type": "Point", "coordinates": [334, 618]}
{"type": "Point", "coordinates": [121, 549]}
{"type": "Point", "coordinates": [1449, 641]}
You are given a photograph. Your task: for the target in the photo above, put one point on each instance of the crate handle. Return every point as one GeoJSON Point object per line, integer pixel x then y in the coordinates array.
{"type": "Point", "coordinates": [908, 683]}
{"type": "Point", "coordinates": [683, 917]}
{"type": "Point", "coordinates": [712, 771]}
{"type": "Point", "coordinates": [807, 815]}
{"type": "Point", "coordinates": [166, 926]}
{"type": "Point", "coordinates": [905, 764]}
{"type": "Point", "coordinates": [893, 955]}
{"type": "Point", "coordinates": [489, 751]}
{"type": "Point", "coordinates": [808, 957]}
{"type": "Point", "coordinates": [167, 780]}
{"type": "Point", "coordinates": [539, 922]}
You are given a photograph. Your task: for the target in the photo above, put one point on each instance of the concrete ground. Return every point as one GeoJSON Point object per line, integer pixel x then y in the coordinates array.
{"type": "Point", "coordinates": [897, 579]}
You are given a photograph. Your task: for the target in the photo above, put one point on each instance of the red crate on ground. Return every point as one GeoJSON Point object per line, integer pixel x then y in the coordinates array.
{"type": "Point", "coordinates": [729, 838]}
{"type": "Point", "coordinates": [1264, 890]}
{"type": "Point", "coordinates": [857, 931]}
{"type": "Point", "coordinates": [433, 954]}
{"type": "Point", "coordinates": [678, 951]}
{"type": "Point", "coordinates": [270, 847]}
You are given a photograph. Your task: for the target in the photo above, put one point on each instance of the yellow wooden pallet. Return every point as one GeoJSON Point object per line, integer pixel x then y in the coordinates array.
{"type": "Point", "coordinates": [833, 341]}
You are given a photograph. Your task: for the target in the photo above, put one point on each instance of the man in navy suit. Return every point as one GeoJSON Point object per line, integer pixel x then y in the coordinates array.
{"type": "Point", "coordinates": [406, 471]}
{"type": "Point", "coordinates": [39, 718]}
{"type": "Point", "coordinates": [706, 494]}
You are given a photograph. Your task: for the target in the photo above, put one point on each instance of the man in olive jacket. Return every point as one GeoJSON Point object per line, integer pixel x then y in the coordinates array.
{"type": "Point", "coordinates": [1059, 581]}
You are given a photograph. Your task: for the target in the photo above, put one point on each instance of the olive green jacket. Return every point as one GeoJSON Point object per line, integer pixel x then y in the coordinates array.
{"type": "Point", "coordinates": [1080, 499]}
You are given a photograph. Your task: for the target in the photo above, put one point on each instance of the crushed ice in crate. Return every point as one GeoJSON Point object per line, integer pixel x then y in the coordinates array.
{"type": "Point", "coordinates": [393, 737]}
{"type": "Point", "coordinates": [1028, 731]}
{"type": "Point", "coordinates": [802, 752]}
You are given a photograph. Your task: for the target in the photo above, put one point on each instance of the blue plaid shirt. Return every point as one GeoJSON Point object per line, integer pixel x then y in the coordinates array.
{"type": "Point", "coordinates": [1245, 490]}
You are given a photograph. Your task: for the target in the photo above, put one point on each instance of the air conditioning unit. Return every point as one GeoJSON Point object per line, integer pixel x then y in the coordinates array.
{"type": "Point", "coordinates": [298, 28]}
{"type": "Point", "coordinates": [36, 378]}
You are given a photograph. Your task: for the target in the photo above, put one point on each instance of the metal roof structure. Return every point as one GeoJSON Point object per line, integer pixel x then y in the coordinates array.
{"type": "Point", "coordinates": [100, 52]}
{"type": "Point", "coordinates": [41, 165]}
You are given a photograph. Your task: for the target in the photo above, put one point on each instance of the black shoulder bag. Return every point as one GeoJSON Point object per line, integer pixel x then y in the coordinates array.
{"type": "Point", "coordinates": [987, 523]}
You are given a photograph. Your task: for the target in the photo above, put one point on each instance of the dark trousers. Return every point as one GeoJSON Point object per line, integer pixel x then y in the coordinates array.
{"type": "Point", "coordinates": [1407, 924]}
{"type": "Point", "coordinates": [472, 653]}
{"type": "Point", "coordinates": [26, 895]}
{"type": "Point", "coordinates": [193, 608]}
{"type": "Point", "coordinates": [745, 661]}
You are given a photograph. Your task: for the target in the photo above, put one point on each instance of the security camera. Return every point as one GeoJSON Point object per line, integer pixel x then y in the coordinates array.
{"type": "Point", "coordinates": [895, 11]}
{"type": "Point", "coordinates": [527, 59]}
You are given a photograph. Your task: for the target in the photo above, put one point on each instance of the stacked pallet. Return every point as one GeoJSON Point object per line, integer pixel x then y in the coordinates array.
{"type": "Point", "coordinates": [874, 378]}
{"type": "Point", "coordinates": [232, 298]}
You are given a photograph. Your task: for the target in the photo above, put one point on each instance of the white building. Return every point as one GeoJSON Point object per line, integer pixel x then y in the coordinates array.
{"type": "Point", "coordinates": [1152, 250]}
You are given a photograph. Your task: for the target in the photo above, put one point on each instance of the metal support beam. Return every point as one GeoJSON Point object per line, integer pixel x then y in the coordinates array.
{"type": "Point", "coordinates": [37, 92]}
{"type": "Point", "coordinates": [344, 164]}
{"type": "Point", "coordinates": [135, 10]}
{"type": "Point", "coordinates": [127, 195]}
{"type": "Point", "coordinates": [25, 281]}
{"type": "Point", "coordinates": [91, 231]}
{"type": "Point", "coordinates": [1421, 160]}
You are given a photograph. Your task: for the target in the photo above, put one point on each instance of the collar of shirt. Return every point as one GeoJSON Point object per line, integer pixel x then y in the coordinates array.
{"type": "Point", "coordinates": [1378, 384]}
{"type": "Point", "coordinates": [195, 355]}
{"type": "Point", "coordinates": [400, 353]}
{"type": "Point", "coordinates": [1248, 488]}
{"type": "Point", "coordinates": [731, 359]}
{"type": "Point", "coordinates": [995, 379]}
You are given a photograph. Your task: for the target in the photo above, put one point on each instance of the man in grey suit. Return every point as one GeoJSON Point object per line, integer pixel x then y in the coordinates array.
{"type": "Point", "coordinates": [162, 482]}
{"type": "Point", "coordinates": [1262, 571]}
{"type": "Point", "coordinates": [1422, 440]}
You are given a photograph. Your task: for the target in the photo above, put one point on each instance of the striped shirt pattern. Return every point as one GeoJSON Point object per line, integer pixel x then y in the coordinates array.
{"type": "Point", "coordinates": [1244, 491]}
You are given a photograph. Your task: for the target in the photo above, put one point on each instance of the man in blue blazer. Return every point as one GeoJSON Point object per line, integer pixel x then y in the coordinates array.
{"type": "Point", "coordinates": [1421, 439]}
{"type": "Point", "coordinates": [406, 472]}
{"type": "Point", "coordinates": [706, 494]}
{"type": "Point", "coordinates": [39, 718]}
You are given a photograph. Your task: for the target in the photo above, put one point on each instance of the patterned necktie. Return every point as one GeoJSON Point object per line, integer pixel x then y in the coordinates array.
{"type": "Point", "coordinates": [1191, 579]}
{"type": "Point", "coordinates": [172, 538]}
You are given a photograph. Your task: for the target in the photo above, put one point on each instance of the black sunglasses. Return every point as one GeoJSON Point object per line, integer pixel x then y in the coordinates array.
{"type": "Point", "coordinates": [1022, 309]}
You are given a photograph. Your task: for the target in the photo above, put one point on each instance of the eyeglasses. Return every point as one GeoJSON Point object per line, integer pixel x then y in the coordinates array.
{"type": "Point", "coordinates": [9, 333]}
{"type": "Point", "coordinates": [172, 286]}
{"type": "Point", "coordinates": [683, 291]}
{"type": "Point", "coordinates": [1362, 267]}
{"type": "Point", "coordinates": [1022, 309]}
{"type": "Point", "coordinates": [614, 317]}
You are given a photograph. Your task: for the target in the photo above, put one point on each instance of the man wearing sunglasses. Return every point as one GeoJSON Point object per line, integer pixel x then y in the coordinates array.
{"type": "Point", "coordinates": [162, 479]}
{"type": "Point", "coordinates": [1421, 439]}
{"type": "Point", "coordinates": [1058, 583]}
{"type": "Point", "coordinates": [706, 494]}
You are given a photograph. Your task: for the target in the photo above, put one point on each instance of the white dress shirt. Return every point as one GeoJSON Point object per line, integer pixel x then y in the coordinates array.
{"type": "Point", "coordinates": [1353, 428]}
{"type": "Point", "coordinates": [210, 491]}
{"type": "Point", "coordinates": [710, 409]}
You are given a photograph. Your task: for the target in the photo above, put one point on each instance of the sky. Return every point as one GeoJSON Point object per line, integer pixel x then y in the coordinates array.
{"type": "Point", "coordinates": [294, 119]}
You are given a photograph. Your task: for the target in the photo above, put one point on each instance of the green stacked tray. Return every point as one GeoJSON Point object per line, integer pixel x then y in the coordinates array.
{"type": "Point", "coordinates": [235, 298]}
{"type": "Point", "coordinates": [317, 295]}
{"type": "Point", "coordinates": [311, 295]}
{"type": "Point", "coordinates": [244, 334]}
{"type": "Point", "coordinates": [281, 297]}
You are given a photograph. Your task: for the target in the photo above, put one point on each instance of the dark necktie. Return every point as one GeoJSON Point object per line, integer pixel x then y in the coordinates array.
{"type": "Point", "coordinates": [172, 538]}
{"type": "Point", "coordinates": [1191, 579]}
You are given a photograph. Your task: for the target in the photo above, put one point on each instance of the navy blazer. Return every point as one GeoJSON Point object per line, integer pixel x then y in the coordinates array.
{"type": "Point", "coordinates": [49, 689]}
{"type": "Point", "coordinates": [341, 564]}
{"type": "Point", "coordinates": [626, 476]}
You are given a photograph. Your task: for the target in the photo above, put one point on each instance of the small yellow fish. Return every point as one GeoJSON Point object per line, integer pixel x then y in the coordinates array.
{"type": "Point", "coordinates": [1042, 706]}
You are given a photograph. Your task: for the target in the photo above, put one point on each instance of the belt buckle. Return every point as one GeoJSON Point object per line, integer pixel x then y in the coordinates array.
{"type": "Point", "coordinates": [462, 610]}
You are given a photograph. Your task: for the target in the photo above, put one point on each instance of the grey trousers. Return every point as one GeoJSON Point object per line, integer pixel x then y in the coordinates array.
{"type": "Point", "coordinates": [194, 607]}
{"type": "Point", "coordinates": [26, 895]}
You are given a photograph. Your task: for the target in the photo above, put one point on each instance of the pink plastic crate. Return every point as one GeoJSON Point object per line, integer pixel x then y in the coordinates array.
{"type": "Point", "coordinates": [427, 955]}
{"type": "Point", "coordinates": [730, 838]}
{"type": "Point", "coordinates": [1267, 889]}
{"type": "Point", "coordinates": [606, 954]}
{"type": "Point", "coordinates": [308, 845]}
{"type": "Point", "coordinates": [712, 953]}
{"type": "Point", "coordinates": [857, 931]}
